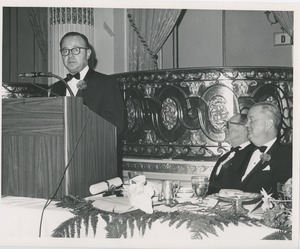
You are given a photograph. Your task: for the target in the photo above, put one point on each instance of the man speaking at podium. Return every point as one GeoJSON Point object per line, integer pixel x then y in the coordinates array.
{"type": "Point", "coordinates": [100, 92]}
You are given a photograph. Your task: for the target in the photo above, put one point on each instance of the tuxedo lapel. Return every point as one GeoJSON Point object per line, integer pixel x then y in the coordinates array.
{"type": "Point", "coordinates": [245, 158]}
{"type": "Point", "coordinates": [228, 176]}
{"type": "Point", "coordinates": [226, 165]}
{"type": "Point", "coordinates": [223, 166]}
{"type": "Point", "coordinates": [260, 165]}
{"type": "Point", "coordinates": [222, 159]}
{"type": "Point", "coordinates": [215, 181]}
{"type": "Point", "coordinates": [79, 93]}
{"type": "Point", "coordinates": [88, 76]}
{"type": "Point", "coordinates": [87, 79]}
{"type": "Point", "coordinates": [63, 88]}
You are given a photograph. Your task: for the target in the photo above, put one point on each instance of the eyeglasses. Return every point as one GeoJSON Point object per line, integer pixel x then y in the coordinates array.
{"type": "Point", "coordinates": [230, 122]}
{"type": "Point", "coordinates": [75, 51]}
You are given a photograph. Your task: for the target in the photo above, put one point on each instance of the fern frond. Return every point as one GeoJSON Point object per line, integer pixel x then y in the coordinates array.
{"type": "Point", "coordinates": [123, 225]}
{"type": "Point", "coordinates": [78, 226]}
{"type": "Point", "coordinates": [279, 235]}
{"type": "Point", "coordinates": [131, 226]}
{"type": "Point", "coordinates": [94, 221]}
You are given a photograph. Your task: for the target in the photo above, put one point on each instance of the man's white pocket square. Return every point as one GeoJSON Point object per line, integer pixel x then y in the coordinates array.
{"type": "Point", "coordinates": [266, 168]}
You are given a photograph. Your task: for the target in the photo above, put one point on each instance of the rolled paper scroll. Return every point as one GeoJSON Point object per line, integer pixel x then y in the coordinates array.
{"type": "Point", "coordinates": [105, 185]}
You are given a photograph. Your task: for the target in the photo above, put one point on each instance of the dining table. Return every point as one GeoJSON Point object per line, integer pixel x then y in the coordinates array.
{"type": "Point", "coordinates": [118, 224]}
{"type": "Point", "coordinates": [149, 212]}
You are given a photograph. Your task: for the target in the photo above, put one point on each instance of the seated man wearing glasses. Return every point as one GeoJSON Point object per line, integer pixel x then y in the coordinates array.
{"type": "Point", "coordinates": [224, 171]}
{"type": "Point", "coordinates": [100, 92]}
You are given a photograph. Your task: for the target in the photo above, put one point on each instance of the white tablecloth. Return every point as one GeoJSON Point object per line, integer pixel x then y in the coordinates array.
{"type": "Point", "coordinates": [20, 217]}
{"type": "Point", "coordinates": [20, 221]}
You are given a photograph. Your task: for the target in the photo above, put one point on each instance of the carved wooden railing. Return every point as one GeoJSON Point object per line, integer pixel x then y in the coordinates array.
{"type": "Point", "coordinates": [180, 113]}
{"type": "Point", "coordinates": [174, 118]}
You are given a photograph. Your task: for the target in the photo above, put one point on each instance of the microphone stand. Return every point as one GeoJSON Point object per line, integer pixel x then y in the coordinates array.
{"type": "Point", "coordinates": [48, 74]}
{"type": "Point", "coordinates": [61, 79]}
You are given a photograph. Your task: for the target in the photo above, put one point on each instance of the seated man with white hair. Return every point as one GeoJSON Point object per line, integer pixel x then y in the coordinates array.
{"type": "Point", "coordinates": [270, 162]}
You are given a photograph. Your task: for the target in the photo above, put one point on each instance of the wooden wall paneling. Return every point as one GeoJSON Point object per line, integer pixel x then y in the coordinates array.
{"type": "Point", "coordinates": [32, 116]}
{"type": "Point", "coordinates": [95, 158]}
{"type": "Point", "coordinates": [29, 167]}
{"type": "Point", "coordinates": [37, 134]}
{"type": "Point", "coordinates": [32, 146]}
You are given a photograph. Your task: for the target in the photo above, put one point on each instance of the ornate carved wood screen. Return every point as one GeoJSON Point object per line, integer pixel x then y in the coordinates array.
{"type": "Point", "coordinates": [175, 118]}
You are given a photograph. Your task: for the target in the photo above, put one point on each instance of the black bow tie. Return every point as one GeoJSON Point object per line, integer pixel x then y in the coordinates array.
{"type": "Point", "coordinates": [260, 148]}
{"type": "Point", "coordinates": [235, 149]}
{"type": "Point", "coordinates": [71, 76]}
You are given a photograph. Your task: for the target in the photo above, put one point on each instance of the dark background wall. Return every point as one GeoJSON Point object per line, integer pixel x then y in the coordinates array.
{"type": "Point", "coordinates": [20, 50]}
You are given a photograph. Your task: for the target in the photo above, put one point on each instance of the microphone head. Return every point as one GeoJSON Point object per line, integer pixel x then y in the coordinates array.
{"type": "Point", "coordinates": [26, 75]}
{"type": "Point", "coordinates": [35, 74]}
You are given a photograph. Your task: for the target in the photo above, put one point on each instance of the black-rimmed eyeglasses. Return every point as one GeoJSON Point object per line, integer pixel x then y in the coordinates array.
{"type": "Point", "coordinates": [75, 51]}
{"type": "Point", "coordinates": [230, 122]}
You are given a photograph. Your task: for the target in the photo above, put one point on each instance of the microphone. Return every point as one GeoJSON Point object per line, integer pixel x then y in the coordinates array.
{"type": "Point", "coordinates": [35, 74]}
{"type": "Point", "coordinates": [47, 74]}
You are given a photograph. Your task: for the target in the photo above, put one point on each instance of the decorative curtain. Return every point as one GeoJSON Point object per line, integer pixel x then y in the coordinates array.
{"type": "Point", "coordinates": [61, 21]}
{"type": "Point", "coordinates": [149, 29]}
{"type": "Point", "coordinates": [39, 24]}
{"type": "Point", "coordinates": [286, 21]}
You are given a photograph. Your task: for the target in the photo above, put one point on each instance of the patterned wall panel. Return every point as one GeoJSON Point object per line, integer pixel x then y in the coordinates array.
{"type": "Point", "coordinates": [180, 113]}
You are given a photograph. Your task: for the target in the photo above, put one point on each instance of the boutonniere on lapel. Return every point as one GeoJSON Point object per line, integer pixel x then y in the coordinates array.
{"type": "Point", "coordinates": [265, 157]}
{"type": "Point", "coordinates": [81, 85]}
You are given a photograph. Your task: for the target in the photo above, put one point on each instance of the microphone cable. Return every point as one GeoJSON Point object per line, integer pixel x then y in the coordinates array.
{"type": "Point", "coordinates": [49, 200]}
{"type": "Point", "coordinates": [47, 90]}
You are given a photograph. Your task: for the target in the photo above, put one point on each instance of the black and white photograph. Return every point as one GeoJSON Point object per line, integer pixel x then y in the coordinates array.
{"type": "Point", "coordinates": [149, 124]}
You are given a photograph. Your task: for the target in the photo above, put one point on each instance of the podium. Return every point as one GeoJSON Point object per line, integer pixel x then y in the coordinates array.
{"type": "Point", "coordinates": [46, 138]}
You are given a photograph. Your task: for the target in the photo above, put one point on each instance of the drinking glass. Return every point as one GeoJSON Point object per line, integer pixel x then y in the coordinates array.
{"type": "Point", "coordinates": [169, 190]}
{"type": "Point", "coordinates": [200, 186]}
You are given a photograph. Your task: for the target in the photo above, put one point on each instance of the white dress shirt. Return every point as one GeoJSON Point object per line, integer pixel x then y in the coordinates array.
{"type": "Point", "coordinates": [255, 158]}
{"type": "Point", "coordinates": [73, 82]}
{"type": "Point", "coordinates": [231, 155]}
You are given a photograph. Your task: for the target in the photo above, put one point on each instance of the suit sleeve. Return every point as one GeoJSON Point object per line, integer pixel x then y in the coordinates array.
{"type": "Point", "coordinates": [57, 89]}
{"type": "Point", "coordinates": [285, 164]}
{"type": "Point", "coordinates": [112, 106]}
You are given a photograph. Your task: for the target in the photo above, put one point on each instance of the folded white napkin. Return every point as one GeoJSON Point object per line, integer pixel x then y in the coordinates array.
{"type": "Point", "coordinates": [112, 204]}
{"type": "Point", "coordinates": [105, 185]}
{"type": "Point", "coordinates": [140, 195]}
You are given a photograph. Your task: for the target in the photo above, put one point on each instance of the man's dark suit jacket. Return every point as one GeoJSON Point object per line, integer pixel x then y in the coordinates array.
{"type": "Point", "coordinates": [267, 174]}
{"type": "Point", "coordinates": [102, 96]}
{"type": "Point", "coordinates": [225, 180]}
